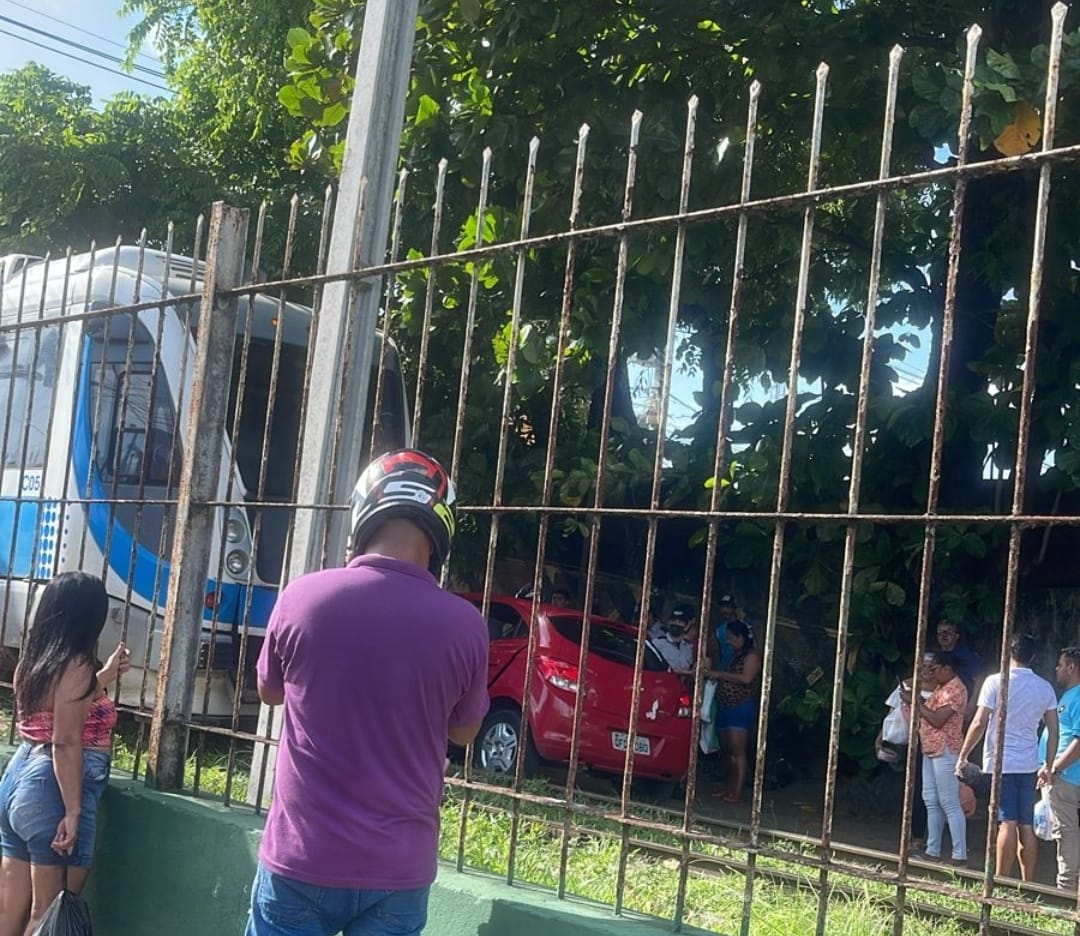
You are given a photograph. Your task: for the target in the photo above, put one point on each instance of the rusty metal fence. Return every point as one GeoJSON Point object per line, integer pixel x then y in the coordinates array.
{"type": "Point", "coordinates": [154, 399]}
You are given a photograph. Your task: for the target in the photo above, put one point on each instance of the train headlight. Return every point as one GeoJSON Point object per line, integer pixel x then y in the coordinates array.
{"type": "Point", "coordinates": [237, 563]}
{"type": "Point", "coordinates": [234, 529]}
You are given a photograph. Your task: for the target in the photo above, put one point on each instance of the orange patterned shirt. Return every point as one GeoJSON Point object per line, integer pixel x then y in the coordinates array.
{"type": "Point", "coordinates": [936, 741]}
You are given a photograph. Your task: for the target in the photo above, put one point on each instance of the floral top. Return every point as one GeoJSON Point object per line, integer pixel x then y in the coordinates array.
{"type": "Point", "coordinates": [936, 741]}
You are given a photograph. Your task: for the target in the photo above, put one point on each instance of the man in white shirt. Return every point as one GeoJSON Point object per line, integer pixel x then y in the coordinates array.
{"type": "Point", "coordinates": [1031, 700]}
{"type": "Point", "coordinates": [674, 644]}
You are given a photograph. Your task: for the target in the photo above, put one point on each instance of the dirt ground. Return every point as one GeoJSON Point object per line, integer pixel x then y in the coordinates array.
{"type": "Point", "coordinates": [867, 813]}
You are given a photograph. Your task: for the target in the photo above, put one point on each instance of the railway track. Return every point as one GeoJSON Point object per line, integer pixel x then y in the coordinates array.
{"type": "Point", "coordinates": [848, 861]}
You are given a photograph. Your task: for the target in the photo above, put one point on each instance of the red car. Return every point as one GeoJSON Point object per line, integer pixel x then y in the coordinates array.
{"type": "Point", "coordinates": [662, 748]}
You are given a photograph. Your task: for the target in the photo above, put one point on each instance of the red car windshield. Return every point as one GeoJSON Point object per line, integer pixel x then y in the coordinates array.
{"type": "Point", "coordinates": [608, 641]}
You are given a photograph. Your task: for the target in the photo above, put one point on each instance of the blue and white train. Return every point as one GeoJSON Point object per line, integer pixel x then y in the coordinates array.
{"type": "Point", "coordinates": [93, 414]}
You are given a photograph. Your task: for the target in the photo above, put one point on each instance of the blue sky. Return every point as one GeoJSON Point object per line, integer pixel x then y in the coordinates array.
{"type": "Point", "coordinates": [27, 26]}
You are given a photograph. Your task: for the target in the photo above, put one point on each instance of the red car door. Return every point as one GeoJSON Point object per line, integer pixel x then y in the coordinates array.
{"type": "Point", "coordinates": [508, 638]}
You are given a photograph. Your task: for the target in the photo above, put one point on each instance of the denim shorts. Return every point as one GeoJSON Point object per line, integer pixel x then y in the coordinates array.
{"type": "Point", "coordinates": [1017, 800]}
{"type": "Point", "coordinates": [31, 806]}
{"type": "Point", "coordinates": [739, 716]}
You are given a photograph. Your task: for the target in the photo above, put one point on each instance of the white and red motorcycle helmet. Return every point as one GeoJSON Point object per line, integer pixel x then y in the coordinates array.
{"type": "Point", "coordinates": [410, 485]}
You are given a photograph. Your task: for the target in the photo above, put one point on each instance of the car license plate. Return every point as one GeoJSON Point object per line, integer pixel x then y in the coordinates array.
{"type": "Point", "coordinates": [641, 745]}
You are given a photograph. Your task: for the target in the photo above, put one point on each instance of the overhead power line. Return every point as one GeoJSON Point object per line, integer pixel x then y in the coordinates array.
{"type": "Point", "coordinates": [67, 25]}
{"type": "Point", "coordinates": [93, 64]}
{"type": "Point", "coordinates": [78, 45]}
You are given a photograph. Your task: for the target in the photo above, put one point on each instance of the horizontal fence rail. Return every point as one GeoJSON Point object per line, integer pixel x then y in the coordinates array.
{"type": "Point", "coordinates": [508, 357]}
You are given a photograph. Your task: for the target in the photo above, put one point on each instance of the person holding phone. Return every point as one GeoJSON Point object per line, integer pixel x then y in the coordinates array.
{"type": "Point", "coordinates": [941, 729]}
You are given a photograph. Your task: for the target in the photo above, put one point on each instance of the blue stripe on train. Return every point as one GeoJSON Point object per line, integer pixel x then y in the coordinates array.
{"type": "Point", "coordinates": [18, 528]}
{"type": "Point", "coordinates": [231, 597]}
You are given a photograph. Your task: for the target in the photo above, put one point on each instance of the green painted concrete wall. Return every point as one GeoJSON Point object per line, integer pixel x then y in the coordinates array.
{"type": "Point", "coordinates": [172, 865]}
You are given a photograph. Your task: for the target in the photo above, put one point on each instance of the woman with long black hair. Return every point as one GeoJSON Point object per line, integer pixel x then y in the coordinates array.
{"type": "Point", "coordinates": [51, 788]}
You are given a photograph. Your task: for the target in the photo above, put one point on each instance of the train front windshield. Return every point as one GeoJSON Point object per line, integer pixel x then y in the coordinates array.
{"type": "Point", "coordinates": [271, 479]}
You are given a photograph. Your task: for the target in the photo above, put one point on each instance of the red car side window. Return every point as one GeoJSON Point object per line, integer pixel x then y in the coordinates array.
{"type": "Point", "coordinates": [504, 623]}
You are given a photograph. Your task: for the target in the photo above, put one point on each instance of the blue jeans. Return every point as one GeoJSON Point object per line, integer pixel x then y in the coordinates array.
{"type": "Point", "coordinates": [281, 906]}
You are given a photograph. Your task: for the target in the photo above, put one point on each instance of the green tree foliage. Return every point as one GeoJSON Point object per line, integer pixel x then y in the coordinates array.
{"type": "Point", "coordinates": [225, 60]}
{"type": "Point", "coordinates": [491, 75]}
{"type": "Point", "coordinates": [263, 90]}
{"type": "Point", "coordinates": [70, 173]}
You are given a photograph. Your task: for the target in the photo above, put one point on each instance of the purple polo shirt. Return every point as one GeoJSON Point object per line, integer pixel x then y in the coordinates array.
{"type": "Point", "coordinates": [376, 662]}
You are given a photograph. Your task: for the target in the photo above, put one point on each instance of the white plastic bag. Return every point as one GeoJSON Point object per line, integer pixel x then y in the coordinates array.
{"type": "Point", "coordinates": [708, 741]}
{"type": "Point", "coordinates": [1043, 817]}
{"type": "Point", "coordinates": [894, 730]}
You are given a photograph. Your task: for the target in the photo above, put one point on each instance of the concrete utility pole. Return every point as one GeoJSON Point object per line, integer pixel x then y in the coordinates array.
{"type": "Point", "coordinates": [358, 239]}
{"type": "Point", "coordinates": [200, 484]}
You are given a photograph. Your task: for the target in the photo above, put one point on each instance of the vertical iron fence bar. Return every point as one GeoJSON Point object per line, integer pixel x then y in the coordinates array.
{"type": "Point", "coordinates": [9, 574]}
{"type": "Point", "coordinates": [316, 304]}
{"type": "Point", "coordinates": [858, 451]}
{"type": "Point", "coordinates": [504, 434]}
{"type": "Point", "coordinates": [151, 616]}
{"type": "Point", "coordinates": [783, 487]}
{"type": "Point", "coordinates": [155, 376]}
{"type": "Point", "coordinates": [88, 290]}
{"type": "Point", "coordinates": [655, 502]}
{"type": "Point", "coordinates": [231, 438]}
{"type": "Point", "coordinates": [569, 281]}
{"type": "Point", "coordinates": [937, 445]}
{"type": "Point", "coordinates": [388, 308]}
{"type": "Point", "coordinates": [357, 291]}
{"type": "Point", "coordinates": [125, 402]}
{"type": "Point", "coordinates": [1023, 439]}
{"type": "Point", "coordinates": [265, 751]}
{"type": "Point", "coordinates": [719, 467]}
{"type": "Point", "coordinates": [136, 526]}
{"type": "Point", "coordinates": [199, 484]}
{"type": "Point", "coordinates": [429, 301]}
{"type": "Point", "coordinates": [470, 321]}
{"type": "Point", "coordinates": [63, 503]}
{"type": "Point", "coordinates": [618, 301]}
{"type": "Point", "coordinates": [19, 338]}
{"type": "Point", "coordinates": [41, 569]}
{"type": "Point", "coordinates": [165, 541]}
{"type": "Point", "coordinates": [260, 492]}
{"type": "Point", "coordinates": [934, 480]}
{"type": "Point", "coordinates": [109, 318]}
{"type": "Point", "coordinates": [21, 498]}
{"type": "Point", "coordinates": [3, 448]}
{"type": "Point", "coordinates": [784, 479]}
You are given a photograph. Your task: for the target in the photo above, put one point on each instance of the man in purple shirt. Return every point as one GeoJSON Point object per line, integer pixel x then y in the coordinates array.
{"type": "Point", "coordinates": [377, 668]}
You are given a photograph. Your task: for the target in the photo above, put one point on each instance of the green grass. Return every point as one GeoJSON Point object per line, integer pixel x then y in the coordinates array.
{"type": "Point", "coordinates": [714, 898]}
{"type": "Point", "coordinates": [208, 761]}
